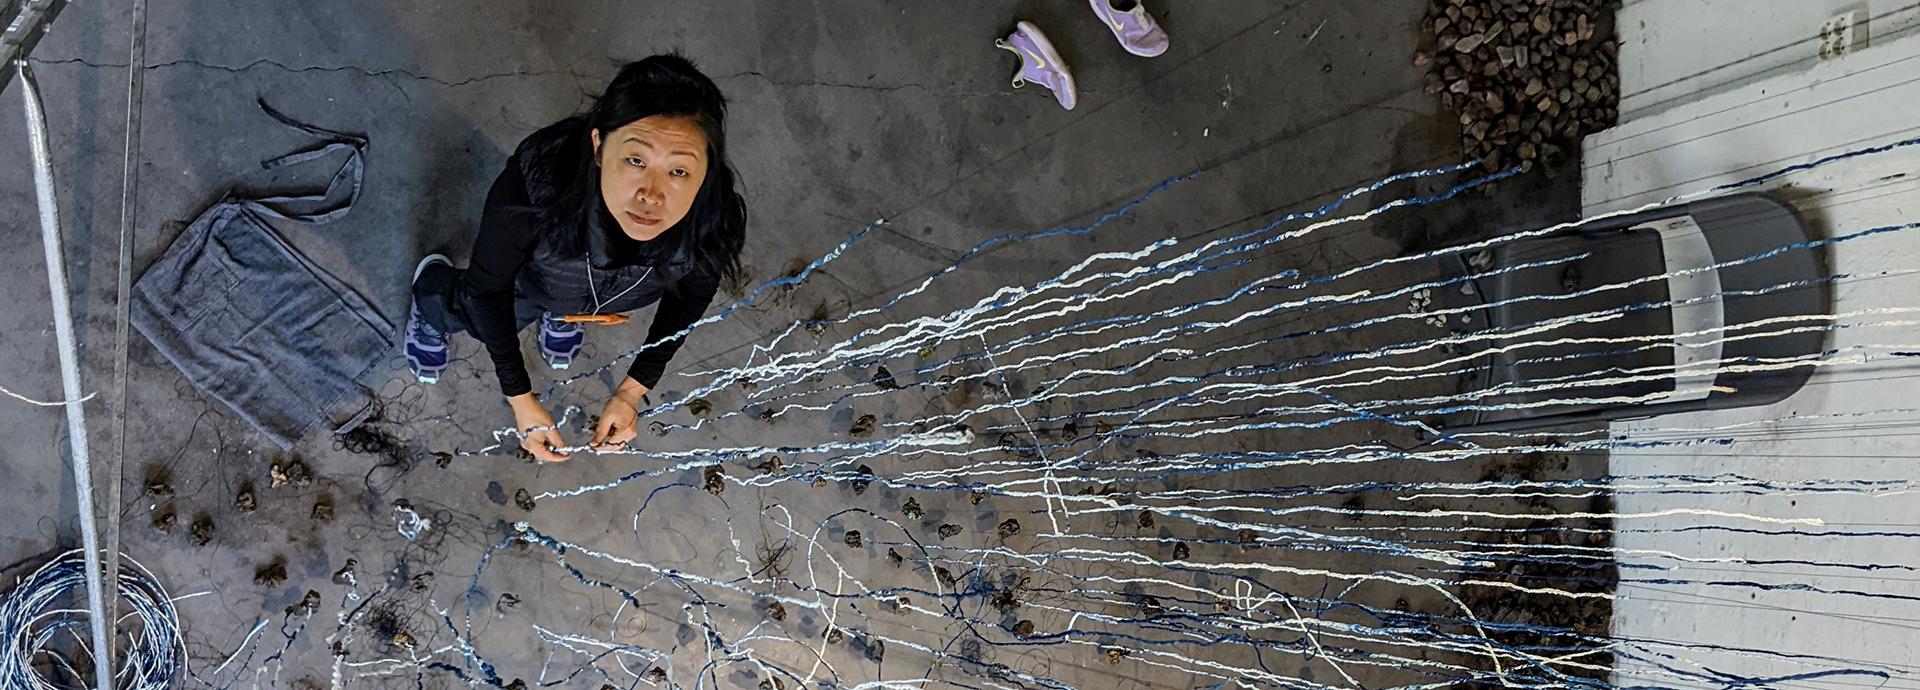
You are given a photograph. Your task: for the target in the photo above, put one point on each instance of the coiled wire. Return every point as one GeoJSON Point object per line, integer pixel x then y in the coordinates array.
{"type": "Point", "coordinates": [30, 619]}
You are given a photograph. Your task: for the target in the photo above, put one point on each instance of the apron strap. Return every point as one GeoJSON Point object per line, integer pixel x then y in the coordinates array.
{"type": "Point", "coordinates": [314, 208]}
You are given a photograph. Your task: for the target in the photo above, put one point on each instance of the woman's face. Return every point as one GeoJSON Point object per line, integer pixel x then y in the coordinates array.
{"type": "Point", "coordinates": [650, 172]}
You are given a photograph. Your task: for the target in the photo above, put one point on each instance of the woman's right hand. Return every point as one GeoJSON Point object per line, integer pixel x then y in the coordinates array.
{"type": "Point", "coordinates": [543, 439]}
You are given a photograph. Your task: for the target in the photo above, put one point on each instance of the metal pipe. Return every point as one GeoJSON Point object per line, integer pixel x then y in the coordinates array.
{"type": "Point", "coordinates": [69, 368]}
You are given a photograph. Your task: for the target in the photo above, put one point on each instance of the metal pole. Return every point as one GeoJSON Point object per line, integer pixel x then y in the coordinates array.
{"type": "Point", "coordinates": [69, 368]}
{"type": "Point", "coordinates": [129, 215]}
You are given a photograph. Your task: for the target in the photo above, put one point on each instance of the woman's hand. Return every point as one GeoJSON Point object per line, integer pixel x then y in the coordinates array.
{"type": "Point", "coordinates": [540, 437]}
{"type": "Point", "coordinates": [620, 417]}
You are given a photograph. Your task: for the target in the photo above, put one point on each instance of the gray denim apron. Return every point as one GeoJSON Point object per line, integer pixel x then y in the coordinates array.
{"type": "Point", "coordinates": [253, 323]}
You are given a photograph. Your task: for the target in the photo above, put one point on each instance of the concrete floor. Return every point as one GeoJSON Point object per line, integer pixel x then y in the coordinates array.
{"type": "Point", "coordinates": [841, 113]}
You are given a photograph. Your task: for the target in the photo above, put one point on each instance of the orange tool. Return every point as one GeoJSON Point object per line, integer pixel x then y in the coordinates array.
{"type": "Point", "coordinates": [597, 319]}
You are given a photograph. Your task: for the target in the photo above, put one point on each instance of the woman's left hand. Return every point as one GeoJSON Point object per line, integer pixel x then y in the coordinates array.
{"type": "Point", "coordinates": [620, 418]}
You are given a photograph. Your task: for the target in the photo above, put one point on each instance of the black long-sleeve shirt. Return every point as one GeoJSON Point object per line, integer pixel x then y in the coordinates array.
{"type": "Point", "coordinates": [506, 243]}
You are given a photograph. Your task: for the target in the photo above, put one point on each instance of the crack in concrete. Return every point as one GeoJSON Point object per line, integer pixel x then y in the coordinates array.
{"type": "Point", "coordinates": [76, 61]}
{"type": "Point", "coordinates": [387, 73]}
{"type": "Point", "coordinates": [265, 62]}
{"type": "Point", "coordinates": [756, 74]}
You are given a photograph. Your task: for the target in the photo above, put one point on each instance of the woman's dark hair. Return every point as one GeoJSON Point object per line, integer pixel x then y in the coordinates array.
{"type": "Point", "coordinates": [563, 181]}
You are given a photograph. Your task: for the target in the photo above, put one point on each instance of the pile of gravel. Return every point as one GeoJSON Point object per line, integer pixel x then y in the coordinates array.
{"type": "Point", "coordinates": [1528, 78]}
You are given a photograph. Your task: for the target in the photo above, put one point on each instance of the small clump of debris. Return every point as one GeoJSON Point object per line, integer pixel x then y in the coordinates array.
{"type": "Point", "coordinates": [713, 479]}
{"type": "Point", "coordinates": [1115, 654]}
{"type": "Point", "coordinates": [1009, 528]}
{"type": "Point", "coordinates": [853, 538]}
{"type": "Point", "coordinates": [322, 510]}
{"type": "Point", "coordinates": [202, 529]}
{"type": "Point", "coordinates": [1421, 303]}
{"type": "Point", "coordinates": [871, 647]}
{"type": "Point", "coordinates": [860, 485]}
{"type": "Point", "coordinates": [884, 379]}
{"type": "Point", "coordinates": [1146, 519]}
{"type": "Point", "coordinates": [1180, 551]}
{"type": "Point", "coordinates": [409, 522]}
{"type": "Point", "coordinates": [308, 605]}
{"type": "Point", "coordinates": [945, 576]}
{"type": "Point", "coordinates": [657, 675]}
{"type": "Point", "coordinates": [699, 407]}
{"type": "Point", "coordinates": [776, 611]}
{"type": "Point", "coordinates": [770, 466]}
{"type": "Point", "coordinates": [1247, 539]}
{"type": "Point", "coordinates": [291, 472]}
{"type": "Point", "coordinates": [816, 322]}
{"type": "Point", "coordinates": [523, 499]}
{"type": "Point", "coordinates": [344, 576]}
{"type": "Point", "coordinates": [271, 574]}
{"type": "Point", "coordinates": [159, 483]}
{"type": "Point", "coordinates": [1004, 602]}
{"type": "Point", "coordinates": [894, 558]}
{"type": "Point", "coordinates": [911, 509]}
{"type": "Point", "coordinates": [1356, 506]}
{"type": "Point", "coordinates": [1012, 443]}
{"type": "Point", "coordinates": [163, 519]}
{"type": "Point", "coordinates": [373, 437]}
{"type": "Point", "coordinates": [1024, 628]}
{"type": "Point", "coordinates": [977, 496]}
{"type": "Point", "coordinates": [506, 602]}
{"type": "Point", "coordinates": [244, 500]}
{"type": "Point", "coordinates": [421, 582]}
{"type": "Point", "coordinates": [950, 530]}
{"type": "Point", "coordinates": [862, 427]}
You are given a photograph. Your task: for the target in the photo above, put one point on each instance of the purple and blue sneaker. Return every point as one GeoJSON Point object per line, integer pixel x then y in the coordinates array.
{"type": "Point", "coordinates": [560, 341]}
{"type": "Point", "coordinates": [1039, 63]}
{"type": "Point", "coordinates": [426, 346]}
{"type": "Point", "coordinates": [1129, 22]}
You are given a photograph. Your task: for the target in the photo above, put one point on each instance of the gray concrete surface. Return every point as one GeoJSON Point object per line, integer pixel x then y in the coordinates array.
{"type": "Point", "coordinates": [841, 113]}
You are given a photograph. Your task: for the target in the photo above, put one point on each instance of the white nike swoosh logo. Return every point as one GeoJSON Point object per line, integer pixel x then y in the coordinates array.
{"type": "Point", "coordinates": [1036, 58]}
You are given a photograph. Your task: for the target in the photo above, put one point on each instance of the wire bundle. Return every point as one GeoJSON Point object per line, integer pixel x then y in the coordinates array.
{"type": "Point", "coordinates": [30, 619]}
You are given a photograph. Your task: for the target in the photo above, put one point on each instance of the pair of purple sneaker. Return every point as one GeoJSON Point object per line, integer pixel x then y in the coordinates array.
{"type": "Point", "coordinates": [426, 345]}
{"type": "Point", "coordinates": [1041, 64]}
